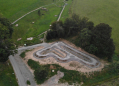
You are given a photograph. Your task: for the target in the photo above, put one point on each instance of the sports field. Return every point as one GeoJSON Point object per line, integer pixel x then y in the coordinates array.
{"type": "Point", "coordinates": [100, 11]}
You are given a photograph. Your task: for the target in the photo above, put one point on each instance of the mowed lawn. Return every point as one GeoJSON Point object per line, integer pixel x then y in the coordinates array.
{"type": "Point", "coordinates": [16, 8]}
{"type": "Point", "coordinates": [41, 23]}
{"type": "Point", "coordinates": [7, 75]}
{"type": "Point", "coordinates": [100, 11]}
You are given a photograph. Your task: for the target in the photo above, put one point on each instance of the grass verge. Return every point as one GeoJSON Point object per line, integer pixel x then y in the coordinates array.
{"type": "Point", "coordinates": [7, 75]}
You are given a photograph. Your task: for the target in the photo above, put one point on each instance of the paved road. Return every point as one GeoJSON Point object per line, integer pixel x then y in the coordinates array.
{"type": "Point", "coordinates": [22, 72]}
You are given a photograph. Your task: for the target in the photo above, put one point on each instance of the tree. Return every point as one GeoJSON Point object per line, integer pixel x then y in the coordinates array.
{"type": "Point", "coordinates": [97, 41]}
{"type": "Point", "coordinates": [39, 12]}
{"type": "Point", "coordinates": [85, 41]}
{"type": "Point", "coordinates": [83, 23]}
{"type": "Point", "coordinates": [7, 47]}
{"type": "Point", "coordinates": [102, 40]}
{"type": "Point", "coordinates": [74, 24]}
{"type": "Point", "coordinates": [90, 25]}
{"type": "Point", "coordinates": [71, 26]}
{"type": "Point", "coordinates": [7, 23]}
{"type": "Point", "coordinates": [60, 31]}
{"type": "Point", "coordinates": [54, 24]}
{"type": "Point", "coordinates": [40, 74]}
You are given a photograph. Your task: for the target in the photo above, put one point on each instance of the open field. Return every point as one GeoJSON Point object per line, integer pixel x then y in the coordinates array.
{"type": "Point", "coordinates": [41, 23]}
{"type": "Point", "coordinates": [100, 11]}
{"type": "Point", "coordinates": [7, 76]}
{"type": "Point", "coordinates": [27, 29]}
{"type": "Point", "coordinates": [15, 8]}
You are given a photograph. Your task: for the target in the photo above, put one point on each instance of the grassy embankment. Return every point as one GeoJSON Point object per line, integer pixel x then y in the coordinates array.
{"type": "Point", "coordinates": [7, 76]}
{"type": "Point", "coordinates": [100, 11]}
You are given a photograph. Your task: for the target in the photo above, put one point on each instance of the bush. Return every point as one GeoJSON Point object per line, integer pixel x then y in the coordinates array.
{"type": "Point", "coordinates": [33, 64]}
{"type": "Point", "coordinates": [28, 82]}
{"type": "Point", "coordinates": [39, 13]}
{"type": "Point", "coordinates": [22, 54]}
{"type": "Point", "coordinates": [40, 75]}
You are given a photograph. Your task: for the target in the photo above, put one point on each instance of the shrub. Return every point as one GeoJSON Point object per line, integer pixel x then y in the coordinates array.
{"type": "Point", "coordinates": [34, 65]}
{"type": "Point", "coordinates": [28, 82]}
{"type": "Point", "coordinates": [40, 75]}
{"type": "Point", "coordinates": [22, 54]}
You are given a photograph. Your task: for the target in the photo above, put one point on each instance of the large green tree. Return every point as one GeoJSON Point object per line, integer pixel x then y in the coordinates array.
{"type": "Point", "coordinates": [40, 75]}
{"type": "Point", "coordinates": [85, 38]}
{"type": "Point", "coordinates": [102, 40]}
{"type": "Point", "coordinates": [7, 47]}
{"type": "Point", "coordinates": [54, 25]}
{"type": "Point", "coordinates": [98, 41]}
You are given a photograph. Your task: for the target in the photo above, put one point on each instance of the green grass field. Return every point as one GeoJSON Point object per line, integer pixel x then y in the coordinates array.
{"type": "Point", "coordinates": [27, 29]}
{"type": "Point", "coordinates": [7, 78]}
{"type": "Point", "coordinates": [13, 8]}
{"type": "Point", "coordinates": [100, 11]}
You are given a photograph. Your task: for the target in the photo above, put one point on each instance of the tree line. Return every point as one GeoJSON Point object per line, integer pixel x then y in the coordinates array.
{"type": "Point", "coordinates": [94, 39]}
{"type": "Point", "coordinates": [7, 47]}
